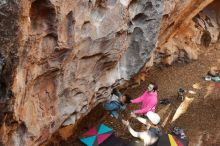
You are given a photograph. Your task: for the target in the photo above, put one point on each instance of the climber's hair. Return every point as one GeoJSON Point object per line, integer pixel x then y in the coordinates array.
{"type": "Point", "coordinates": [128, 98]}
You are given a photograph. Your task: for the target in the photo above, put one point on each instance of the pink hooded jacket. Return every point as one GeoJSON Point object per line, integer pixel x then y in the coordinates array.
{"type": "Point", "coordinates": [148, 100]}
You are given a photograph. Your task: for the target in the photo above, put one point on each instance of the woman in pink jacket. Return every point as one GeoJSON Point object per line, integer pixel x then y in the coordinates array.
{"type": "Point", "coordinates": [148, 100]}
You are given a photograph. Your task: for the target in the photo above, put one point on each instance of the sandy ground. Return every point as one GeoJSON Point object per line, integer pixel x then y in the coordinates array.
{"type": "Point", "coordinates": [201, 122]}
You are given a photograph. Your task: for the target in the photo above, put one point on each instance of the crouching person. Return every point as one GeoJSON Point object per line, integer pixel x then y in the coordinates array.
{"type": "Point", "coordinates": [117, 103]}
{"type": "Point", "coordinates": [153, 132]}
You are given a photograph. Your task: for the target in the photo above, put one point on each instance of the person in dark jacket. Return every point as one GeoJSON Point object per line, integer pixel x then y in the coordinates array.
{"type": "Point", "coordinates": [117, 103]}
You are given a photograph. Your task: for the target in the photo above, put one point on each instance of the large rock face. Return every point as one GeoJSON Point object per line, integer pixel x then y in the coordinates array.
{"type": "Point", "coordinates": [70, 55]}
{"type": "Point", "coordinates": [61, 58]}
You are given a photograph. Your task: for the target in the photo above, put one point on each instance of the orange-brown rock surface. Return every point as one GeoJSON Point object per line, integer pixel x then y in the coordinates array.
{"type": "Point", "coordinates": [70, 55]}
{"type": "Point", "coordinates": [187, 27]}
{"type": "Point", "coordinates": [60, 58]}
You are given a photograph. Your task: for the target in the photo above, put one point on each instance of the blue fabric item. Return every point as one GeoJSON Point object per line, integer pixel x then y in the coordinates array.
{"type": "Point", "coordinates": [122, 107]}
{"type": "Point", "coordinates": [113, 106]}
{"type": "Point", "coordinates": [114, 114]}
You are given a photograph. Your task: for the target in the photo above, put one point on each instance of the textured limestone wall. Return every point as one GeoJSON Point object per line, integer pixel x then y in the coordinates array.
{"type": "Point", "coordinates": [60, 58]}
{"type": "Point", "coordinates": [71, 54]}
{"type": "Point", "coordinates": [8, 48]}
{"type": "Point", "coordinates": [9, 11]}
